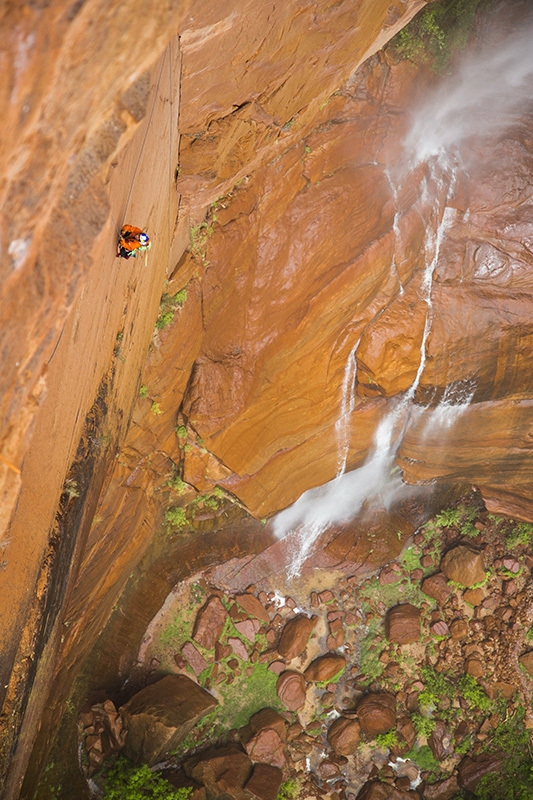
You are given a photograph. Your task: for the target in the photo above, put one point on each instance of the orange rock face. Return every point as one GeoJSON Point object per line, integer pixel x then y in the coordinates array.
{"type": "Point", "coordinates": [295, 251]}
{"type": "Point", "coordinates": [84, 81]}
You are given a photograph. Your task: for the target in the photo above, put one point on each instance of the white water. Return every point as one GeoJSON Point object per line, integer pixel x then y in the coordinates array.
{"type": "Point", "coordinates": [455, 400]}
{"type": "Point", "coordinates": [342, 426]}
{"type": "Point", "coordinates": [486, 95]}
{"type": "Point", "coordinates": [341, 499]}
{"type": "Point", "coordinates": [396, 230]}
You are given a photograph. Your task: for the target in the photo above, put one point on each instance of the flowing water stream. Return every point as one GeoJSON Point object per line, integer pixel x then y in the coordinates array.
{"type": "Point", "coordinates": [342, 498]}
{"type": "Point", "coordinates": [485, 96]}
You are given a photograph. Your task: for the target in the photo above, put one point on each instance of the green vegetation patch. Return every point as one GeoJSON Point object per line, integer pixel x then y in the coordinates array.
{"type": "Point", "coordinates": [514, 780]}
{"type": "Point", "coordinates": [424, 726]}
{"type": "Point", "coordinates": [426, 761]}
{"type": "Point", "coordinates": [520, 534]}
{"type": "Point", "coordinates": [168, 306]}
{"type": "Point", "coordinates": [403, 591]}
{"type": "Point", "coordinates": [176, 518]}
{"type": "Point", "coordinates": [474, 694]}
{"type": "Point", "coordinates": [247, 695]}
{"type": "Point", "coordinates": [125, 781]}
{"type": "Point", "coordinates": [289, 790]}
{"type": "Point", "coordinates": [437, 686]}
{"type": "Point", "coordinates": [437, 32]}
{"type": "Point", "coordinates": [371, 646]}
{"type": "Point", "coordinates": [387, 740]}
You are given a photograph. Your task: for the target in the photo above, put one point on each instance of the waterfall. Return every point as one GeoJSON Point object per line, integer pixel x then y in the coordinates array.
{"type": "Point", "coordinates": [485, 96]}
{"type": "Point", "coordinates": [490, 89]}
{"type": "Point", "coordinates": [342, 426]}
{"type": "Point", "coordinates": [455, 400]}
{"type": "Point", "coordinates": [342, 499]}
{"type": "Point", "coordinates": [396, 230]}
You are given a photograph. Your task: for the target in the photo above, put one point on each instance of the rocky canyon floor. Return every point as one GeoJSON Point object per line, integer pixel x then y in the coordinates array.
{"type": "Point", "coordinates": [410, 681]}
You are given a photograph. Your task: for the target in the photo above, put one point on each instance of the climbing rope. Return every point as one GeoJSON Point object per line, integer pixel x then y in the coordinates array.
{"type": "Point", "coordinates": [170, 122]}
{"type": "Point", "coordinates": [156, 93]}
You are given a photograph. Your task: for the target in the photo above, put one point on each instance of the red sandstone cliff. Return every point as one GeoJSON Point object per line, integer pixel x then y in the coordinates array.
{"type": "Point", "coordinates": [91, 94]}
{"type": "Point", "coordinates": [283, 146]}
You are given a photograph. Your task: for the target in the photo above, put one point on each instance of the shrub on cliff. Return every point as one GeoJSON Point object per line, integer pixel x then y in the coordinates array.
{"type": "Point", "coordinates": [125, 781]}
{"type": "Point", "coordinates": [437, 32]}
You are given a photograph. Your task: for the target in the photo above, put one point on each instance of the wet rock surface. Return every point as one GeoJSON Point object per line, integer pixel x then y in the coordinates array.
{"type": "Point", "coordinates": [344, 736]}
{"type": "Point", "coordinates": [324, 668]}
{"type": "Point", "coordinates": [209, 623]}
{"type": "Point", "coordinates": [376, 713]}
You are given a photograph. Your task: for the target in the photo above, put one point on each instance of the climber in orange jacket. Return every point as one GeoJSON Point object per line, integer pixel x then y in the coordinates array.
{"type": "Point", "coordinates": [131, 241]}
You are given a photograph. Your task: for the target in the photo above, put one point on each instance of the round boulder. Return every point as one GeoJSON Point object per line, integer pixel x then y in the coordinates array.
{"type": "Point", "coordinates": [526, 660]}
{"type": "Point", "coordinates": [463, 565]}
{"type": "Point", "coordinates": [376, 713]}
{"type": "Point", "coordinates": [402, 624]}
{"type": "Point", "coordinates": [295, 635]}
{"type": "Point", "coordinates": [291, 689]}
{"type": "Point", "coordinates": [344, 736]}
{"type": "Point", "coordinates": [324, 668]}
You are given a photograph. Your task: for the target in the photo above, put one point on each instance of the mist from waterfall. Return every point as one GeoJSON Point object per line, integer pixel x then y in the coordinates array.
{"type": "Point", "coordinates": [486, 95]}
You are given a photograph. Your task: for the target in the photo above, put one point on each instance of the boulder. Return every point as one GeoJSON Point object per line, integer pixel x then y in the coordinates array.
{"type": "Point", "coordinates": [402, 624]}
{"type": "Point", "coordinates": [105, 733]}
{"type": "Point", "coordinates": [327, 770]}
{"type": "Point", "coordinates": [526, 660]}
{"type": "Point", "coordinates": [209, 623]}
{"type": "Point", "coordinates": [264, 738]}
{"type": "Point", "coordinates": [459, 629]}
{"type": "Point", "coordinates": [268, 718]}
{"type": "Point", "coordinates": [344, 736]}
{"type": "Point", "coordinates": [247, 628]}
{"type": "Point", "coordinates": [471, 770]}
{"type": "Point", "coordinates": [390, 574]}
{"type": "Point", "coordinates": [463, 565]}
{"type": "Point", "coordinates": [376, 790]}
{"type": "Point", "coordinates": [264, 782]}
{"type": "Point", "coordinates": [440, 741]}
{"type": "Point", "coordinates": [266, 747]}
{"type": "Point", "coordinates": [295, 635]}
{"type": "Point", "coordinates": [474, 667]}
{"type": "Point", "coordinates": [291, 687]}
{"type": "Point", "coordinates": [161, 715]}
{"type": "Point", "coordinates": [442, 790]}
{"type": "Point", "coordinates": [220, 769]}
{"type": "Point", "coordinates": [474, 597]}
{"type": "Point", "coordinates": [253, 606]}
{"type": "Point", "coordinates": [376, 713]}
{"type": "Point", "coordinates": [507, 690]}
{"type": "Point", "coordinates": [325, 667]}
{"type": "Point", "coordinates": [406, 731]}
{"type": "Point", "coordinates": [195, 659]}
{"type": "Point", "coordinates": [239, 648]}
{"type": "Point", "coordinates": [437, 587]}
{"type": "Point", "coordinates": [439, 628]}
